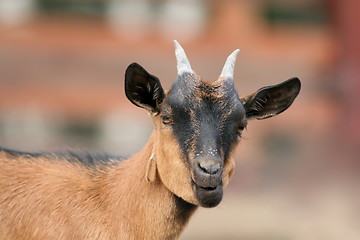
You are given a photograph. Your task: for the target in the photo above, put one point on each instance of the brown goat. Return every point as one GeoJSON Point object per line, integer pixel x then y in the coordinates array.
{"type": "Point", "coordinates": [186, 163]}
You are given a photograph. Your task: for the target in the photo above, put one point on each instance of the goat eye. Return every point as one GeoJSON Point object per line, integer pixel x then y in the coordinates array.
{"type": "Point", "coordinates": [240, 129]}
{"type": "Point", "coordinates": [166, 119]}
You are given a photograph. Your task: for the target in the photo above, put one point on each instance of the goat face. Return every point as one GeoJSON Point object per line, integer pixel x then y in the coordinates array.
{"type": "Point", "coordinates": [198, 124]}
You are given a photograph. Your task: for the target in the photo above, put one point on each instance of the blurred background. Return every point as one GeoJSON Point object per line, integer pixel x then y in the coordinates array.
{"type": "Point", "coordinates": [62, 66]}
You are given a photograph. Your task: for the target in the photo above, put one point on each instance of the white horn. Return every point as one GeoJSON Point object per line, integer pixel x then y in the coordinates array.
{"type": "Point", "coordinates": [228, 69]}
{"type": "Point", "coordinates": [183, 64]}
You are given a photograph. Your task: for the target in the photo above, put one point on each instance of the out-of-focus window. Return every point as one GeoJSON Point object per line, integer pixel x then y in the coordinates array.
{"type": "Point", "coordinates": [294, 12]}
{"type": "Point", "coordinates": [72, 7]}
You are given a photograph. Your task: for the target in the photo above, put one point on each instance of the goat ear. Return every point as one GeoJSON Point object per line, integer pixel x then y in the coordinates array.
{"type": "Point", "coordinates": [272, 100]}
{"type": "Point", "coordinates": [143, 89]}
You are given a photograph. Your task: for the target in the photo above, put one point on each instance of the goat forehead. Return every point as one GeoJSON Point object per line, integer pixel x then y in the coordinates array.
{"type": "Point", "coordinates": [190, 92]}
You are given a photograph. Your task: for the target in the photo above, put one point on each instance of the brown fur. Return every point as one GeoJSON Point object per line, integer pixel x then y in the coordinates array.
{"type": "Point", "coordinates": [212, 90]}
{"type": "Point", "coordinates": [52, 199]}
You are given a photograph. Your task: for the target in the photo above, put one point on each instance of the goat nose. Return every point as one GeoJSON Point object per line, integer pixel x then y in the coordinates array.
{"type": "Point", "coordinates": [209, 167]}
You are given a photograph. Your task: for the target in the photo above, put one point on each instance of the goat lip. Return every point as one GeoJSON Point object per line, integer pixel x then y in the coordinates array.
{"type": "Point", "coordinates": [209, 188]}
{"type": "Point", "coordinates": [208, 196]}
{"type": "Point", "coordinates": [205, 188]}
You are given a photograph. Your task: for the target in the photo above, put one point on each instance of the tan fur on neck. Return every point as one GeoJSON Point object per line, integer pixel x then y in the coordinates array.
{"type": "Point", "coordinates": [56, 199]}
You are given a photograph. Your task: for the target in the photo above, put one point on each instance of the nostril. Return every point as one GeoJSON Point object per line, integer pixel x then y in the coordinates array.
{"type": "Point", "coordinates": [209, 168]}
{"type": "Point", "coordinates": [204, 167]}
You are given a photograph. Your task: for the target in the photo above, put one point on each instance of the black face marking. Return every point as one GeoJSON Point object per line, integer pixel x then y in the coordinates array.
{"type": "Point", "coordinates": [205, 120]}
{"type": "Point", "coordinates": [205, 116]}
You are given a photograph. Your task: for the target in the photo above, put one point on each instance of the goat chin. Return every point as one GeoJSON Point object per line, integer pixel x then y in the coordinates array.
{"type": "Point", "coordinates": [208, 197]}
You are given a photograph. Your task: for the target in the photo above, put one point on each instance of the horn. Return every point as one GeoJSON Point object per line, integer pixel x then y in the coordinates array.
{"type": "Point", "coordinates": [228, 69]}
{"type": "Point", "coordinates": [183, 64]}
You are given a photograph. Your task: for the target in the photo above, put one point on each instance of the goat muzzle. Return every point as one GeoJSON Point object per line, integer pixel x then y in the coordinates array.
{"type": "Point", "coordinates": [207, 180]}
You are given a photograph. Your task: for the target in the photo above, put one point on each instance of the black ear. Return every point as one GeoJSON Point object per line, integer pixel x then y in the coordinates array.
{"type": "Point", "coordinates": [272, 100]}
{"type": "Point", "coordinates": [143, 89]}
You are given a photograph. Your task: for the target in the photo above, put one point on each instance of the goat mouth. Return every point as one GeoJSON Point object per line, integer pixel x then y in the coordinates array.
{"type": "Point", "coordinates": [209, 188]}
{"type": "Point", "coordinates": [208, 196]}
{"type": "Point", "coordinates": [204, 187]}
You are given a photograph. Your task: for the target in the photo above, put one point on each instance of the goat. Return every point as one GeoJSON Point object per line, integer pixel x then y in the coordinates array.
{"type": "Point", "coordinates": [186, 163]}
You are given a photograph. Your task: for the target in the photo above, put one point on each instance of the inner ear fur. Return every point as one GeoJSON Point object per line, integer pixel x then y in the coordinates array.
{"type": "Point", "coordinates": [272, 100]}
{"type": "Point", "coordinates": [142, 88]}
